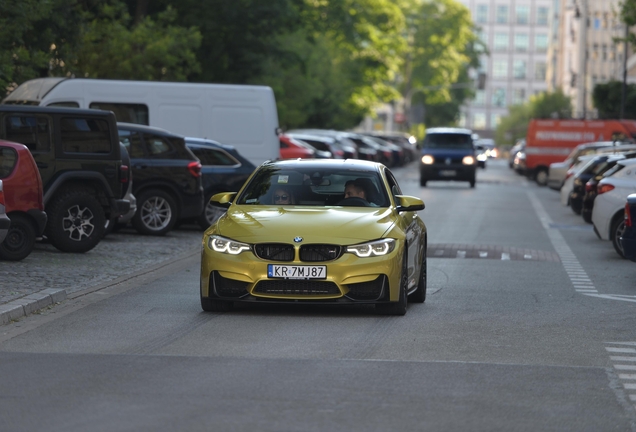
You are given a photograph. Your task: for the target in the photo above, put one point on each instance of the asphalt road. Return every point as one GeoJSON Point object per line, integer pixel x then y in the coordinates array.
{"type": "Point", "coordinates": [529, 325]}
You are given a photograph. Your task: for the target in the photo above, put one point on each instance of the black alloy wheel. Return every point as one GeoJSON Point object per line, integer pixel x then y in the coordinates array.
{"type": "Point", "coordinates": [20, 239]}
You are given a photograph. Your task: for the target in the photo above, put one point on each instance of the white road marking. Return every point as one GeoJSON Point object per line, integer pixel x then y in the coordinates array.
{"type": "Point", "coordinates": [622, 358]}
{"type": "Point", "coordinates": [621, 350]}
{"type": "Point", "coordinates": [627, 376]}
{"type": "Point", "coordinates": [577, 275]}
{"type": "Point", "coordinates": [624, 367]}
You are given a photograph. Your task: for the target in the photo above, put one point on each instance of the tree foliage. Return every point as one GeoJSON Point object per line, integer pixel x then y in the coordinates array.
{"type": "Point", "coordinates": [607, 100]}
{"type": "Point", "coordinates": [443, 46]}
{"type": "Point", "coordinates": [330, 62]}
{"type": "Point", "coordinates": [543, 105]}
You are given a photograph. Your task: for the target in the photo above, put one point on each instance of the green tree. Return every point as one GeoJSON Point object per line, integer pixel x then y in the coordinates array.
{"type": "Point", "coordinates": [443, 46]}
{"type": "Point", "coordinates": [543, 105]}
{"type": "Point", "coordinates": [607, 100]}
{"type": "Point", "coordinates": [112, 46]}
{"type": "Point", "coordinates": [35, 36]}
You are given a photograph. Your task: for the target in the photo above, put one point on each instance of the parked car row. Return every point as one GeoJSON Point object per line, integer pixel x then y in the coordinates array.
{"type": "Point", "coordinates": [390, 149]}
{"type": "Point", "coordinates": [597, 187]}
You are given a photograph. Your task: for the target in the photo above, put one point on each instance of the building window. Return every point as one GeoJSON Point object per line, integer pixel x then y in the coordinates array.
{"type": "Point", "coordinates": [518, 96]}
{"type": "Point", "coordinates": [522, 14]}
{"type": "Point", "coordinates": [480, 97]}
{"type": "Point", "coordinates": [501, 42]}
{"type": "Point", "coordinates": [500, 69]}
{"type": "Point", "coordinates": [542, 15]}
{"type": "Point", "coordinates": [494, 120]}
{"type": "Point", "coordinates": [479, 121]}
{"type": "Point", "coordinates": [502, 14]}
{"type": "Point", "coordinates": [463, 120]}
{"type": "Point", "coordinates": [596, 23]}
{"type": "Point", "coordinates": [520, 69]}
{"type": "Point", "coordinates": [521, 42]}
{"type": "Point", "coordinates": [483, 36]}
{"type": "Point", "coordinates": [541, 42]}
{"type": "Point", "coordinates": [481, 15]}
{"type": "Point", "coordinates": [499, 97]}
{"type": "Point", "coordinates": [539, 71]}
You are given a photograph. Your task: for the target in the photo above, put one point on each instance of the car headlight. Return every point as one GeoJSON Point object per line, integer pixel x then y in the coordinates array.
{"type": "Point", "coordinates": [427, 160]}
{"type": "Point", "coordinates": [482, 157]}
{"type": "Point", "coordinates": [468, 160]}
{"type": "Point", "coordinates": [372, 248]}
{"type": "Point", "coordinates": [225, 245]}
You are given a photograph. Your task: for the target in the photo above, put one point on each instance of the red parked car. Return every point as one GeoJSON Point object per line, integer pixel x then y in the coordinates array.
{"type": "Point", "coordinates": [292, 149]}
{"type": "Point", "coordinates": [23, 202]}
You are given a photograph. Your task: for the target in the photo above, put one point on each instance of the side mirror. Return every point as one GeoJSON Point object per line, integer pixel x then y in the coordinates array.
{"type": "Point", "coordinates": [223, 199]}
{"type": "Point", "coordinates": [409, 203]}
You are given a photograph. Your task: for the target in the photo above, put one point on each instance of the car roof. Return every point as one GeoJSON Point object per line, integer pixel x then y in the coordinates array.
{"type": "Point", "coordinates": [445, 130]}
{"type": "Point", "coordinates": [208, 142]}
{"type": "Point", "coordinates": [149, 129]}
{"type": "Point", "coordinates": [14, 145]}
{"type": "Point", "coordinates": [307, 135]}
{"type": "Point", "coordinates": [344, 164]}
{"type": "Point", "coordinates": [53, 110]}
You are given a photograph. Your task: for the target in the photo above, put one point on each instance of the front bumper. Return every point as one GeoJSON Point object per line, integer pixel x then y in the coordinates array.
{"type": "Point", "coordinates": [448, 172]}
{"type": "Point", "coordinates": [349, 279]}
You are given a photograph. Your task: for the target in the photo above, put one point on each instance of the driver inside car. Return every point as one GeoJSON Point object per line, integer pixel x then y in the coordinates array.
{"type": "Point", "coordinates": [358, 188]}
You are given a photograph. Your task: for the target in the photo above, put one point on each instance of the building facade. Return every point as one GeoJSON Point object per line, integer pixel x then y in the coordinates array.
{"type": "Point", "coordinates": [517, 34]}
{"type": "Point", "coordinates": [588, 51]}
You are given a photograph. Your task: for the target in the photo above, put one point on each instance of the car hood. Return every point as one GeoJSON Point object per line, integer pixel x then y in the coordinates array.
{"type": "Point", "coordinates": [315, 225]}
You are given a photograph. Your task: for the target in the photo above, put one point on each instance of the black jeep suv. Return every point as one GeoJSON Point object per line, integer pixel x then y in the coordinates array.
{"type": "Point", "coordinates": [167, 175]}
{"type": "Point", "coordinates": [77, 152]}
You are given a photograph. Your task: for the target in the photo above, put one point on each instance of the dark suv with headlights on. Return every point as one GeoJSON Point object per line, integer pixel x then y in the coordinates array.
{"type": "Point", "coordinates": [448, 154]}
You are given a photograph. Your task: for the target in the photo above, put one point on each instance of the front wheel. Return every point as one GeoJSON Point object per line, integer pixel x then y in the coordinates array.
{"type": "Point", "coordinates": [618, 229]}
{"type": "Point", "coordinates": [20, 239]}
{"type": "Point", "coordinates": [76, 221]}
{"type": "Point", "coordinates": [156, 213]}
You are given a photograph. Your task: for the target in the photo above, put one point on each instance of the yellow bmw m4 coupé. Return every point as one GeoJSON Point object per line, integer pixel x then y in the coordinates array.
{"type": "Point", "coordinates": [316, 231]}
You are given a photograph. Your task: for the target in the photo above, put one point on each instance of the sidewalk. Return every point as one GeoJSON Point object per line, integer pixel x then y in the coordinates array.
{"type": "Point", "coordinates": [49, 276]}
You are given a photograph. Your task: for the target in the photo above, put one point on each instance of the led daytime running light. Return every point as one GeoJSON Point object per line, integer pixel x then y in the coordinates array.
{"type": "Point", "coordinates": [223, 245]}
{"type": "Point", "coordinates": [374, 248]}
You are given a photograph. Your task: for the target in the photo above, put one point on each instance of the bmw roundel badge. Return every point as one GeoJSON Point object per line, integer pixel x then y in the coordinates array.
{"type": "Point", "coordinates": [298, 239]}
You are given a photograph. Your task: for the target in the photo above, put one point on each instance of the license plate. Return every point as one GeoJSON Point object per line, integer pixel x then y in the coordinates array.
{"type": "Point", "coordinates": [296, 272]}
{"type": "Point", "coordinates": [448, 173]}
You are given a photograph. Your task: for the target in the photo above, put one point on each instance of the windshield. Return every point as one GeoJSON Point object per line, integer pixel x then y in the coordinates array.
{"type": "Point", "coordinates": [448, 140]}
{"type": "Point", "coordinates": [313, 187]}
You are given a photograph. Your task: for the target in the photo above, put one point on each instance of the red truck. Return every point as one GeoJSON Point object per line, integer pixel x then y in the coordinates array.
{"type": "Point", "coordinates": [549, 141]}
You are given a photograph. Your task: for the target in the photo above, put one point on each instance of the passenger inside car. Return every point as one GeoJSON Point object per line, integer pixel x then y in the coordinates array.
{"type": "Point", "coordinates": [282, 196]}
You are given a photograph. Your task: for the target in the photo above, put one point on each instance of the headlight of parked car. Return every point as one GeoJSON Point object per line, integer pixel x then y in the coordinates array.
{"type": "Point", "coordinates": [225, 245]}
{"type": "Point", "coordinates": [427, 160]}
{"type": "Point", "coordinates": [372, 248]}
{"type": "Point", "coordinates": [468, 160]}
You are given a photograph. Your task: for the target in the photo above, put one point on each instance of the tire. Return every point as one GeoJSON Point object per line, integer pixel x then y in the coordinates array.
{"type": "Point", "coordinates": [210, 214]}
{"type": "Point", "coordinates": [156, 213]}
{"type": "Point", "coordinates": [76, 221]}
{"type": "Point", "coordinates": [587, 216]}
{"type": "Point", "coordinates": [209, 305]}
{"type": "Point", "coordinates": [472, 183]}
{"type": "Point", "coordinates": [541, 177]}
{"type": "Point", "coordinates": [617, 230]}
{"type": "Point", "coordinates": [576, 206]}
{"type": "Point", "coordinates": [399, 307]}
{"type": "Point", "coordinates": [20, 239]}
{"type": "Point", "coordinates": [423, 182]}
{"type": "Point", "coordinates": [419, 295]}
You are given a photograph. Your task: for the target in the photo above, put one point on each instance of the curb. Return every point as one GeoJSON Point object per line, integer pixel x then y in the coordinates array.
{"type": "Point", "coordinates": [29, 304]}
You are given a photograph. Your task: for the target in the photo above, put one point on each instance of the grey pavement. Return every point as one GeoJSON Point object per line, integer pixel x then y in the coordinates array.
{"type": "Point", "coordinates": [48, 276]}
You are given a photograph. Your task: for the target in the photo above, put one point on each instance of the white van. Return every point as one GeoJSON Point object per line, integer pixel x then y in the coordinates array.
{"type": "Point", "coordinates": [244, 116]}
